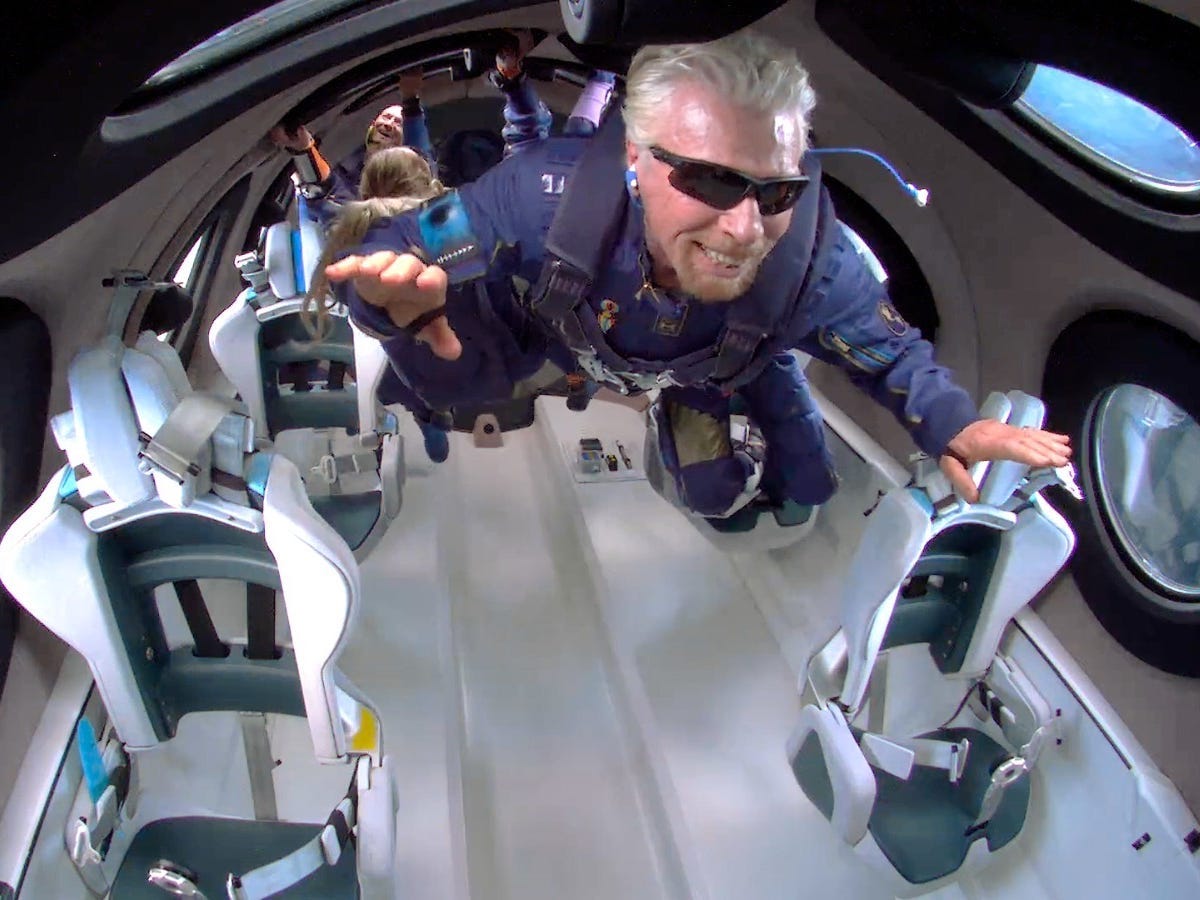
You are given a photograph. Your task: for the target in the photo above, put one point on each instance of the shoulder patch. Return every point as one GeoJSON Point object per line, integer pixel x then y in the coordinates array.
{"type": "Point", "coordinates": [892, 319]}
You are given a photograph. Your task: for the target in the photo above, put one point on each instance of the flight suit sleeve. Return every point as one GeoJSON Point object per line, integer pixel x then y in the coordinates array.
{"type": "Point", "coordinates": [414, 130]}
{"type": "Point", "coordinates": [853, 324]}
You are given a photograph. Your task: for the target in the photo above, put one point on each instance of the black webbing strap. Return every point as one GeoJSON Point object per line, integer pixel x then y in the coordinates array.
{"type": "Point", "coordinates": [260, 622]}
{"type": "Point", "coordinates": [297, 374]}
{"type": "Point", "coordinates": [590, 212]}
{"type": "Point", "coordinates": [337, 376]}
{"type": "Point", "coordinates": [205, 639]}
{"type": "Point", "coordinates": [337, 821]}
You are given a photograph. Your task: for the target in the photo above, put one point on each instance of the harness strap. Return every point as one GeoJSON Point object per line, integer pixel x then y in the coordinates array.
{"type": "Point", "coordinates": [204, 634]}
{"type": "Point", "coordinates": [1007, 773]}
{"type": "Point", "coordinates": [260, 622]}
{"type": "Point", "coordinates": [325, 849]}
{"type": "Point", "coordinates": [897, 756]}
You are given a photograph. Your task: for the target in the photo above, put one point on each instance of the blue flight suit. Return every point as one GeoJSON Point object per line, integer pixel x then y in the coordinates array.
{"type": "Point", "coordinates": [847, 320]}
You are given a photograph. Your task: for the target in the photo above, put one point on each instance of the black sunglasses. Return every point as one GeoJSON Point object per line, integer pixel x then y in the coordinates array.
{"type": "Point", "coordinates": [723, 188]}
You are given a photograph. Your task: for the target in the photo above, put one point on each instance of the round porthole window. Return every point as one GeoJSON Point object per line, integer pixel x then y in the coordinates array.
{"type": "Point", "coordinates": [1147, 465]}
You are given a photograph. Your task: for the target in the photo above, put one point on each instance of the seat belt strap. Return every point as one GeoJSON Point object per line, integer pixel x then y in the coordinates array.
{"type": "Point", "coordinates": [175, 448]}
{"type": "Point", "coordinates": [325, 849]}
{"type": "Point", "coordinates": [252, 271]}
{"type": "Point", "coordinates": [590, 212]}
{"type": "Point", "coordinates": [260, 622]}
{"type": "Point", "coordinates": [337, 376]}
{"type": "Point", "coordinates": [582, 233]}
{"type": "Point", "coordinates": [897, 756]}
{"type": "Point", "coordinates": [1009, 772]}
{"type": "Point", "coordinates": [205, 639]}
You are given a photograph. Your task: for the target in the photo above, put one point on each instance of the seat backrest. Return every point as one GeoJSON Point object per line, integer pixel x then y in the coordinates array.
{"type": "Point", "coordinates": [952, 579]}
{"type": "Point", "coordinates": [891, 544]}
{"type": "Point", "coordinates": [260, 343]}
{"type": "Point", "coordinates": [117, 539]}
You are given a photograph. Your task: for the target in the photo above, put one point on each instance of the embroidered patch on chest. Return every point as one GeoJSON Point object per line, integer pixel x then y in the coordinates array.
{"type": "Point", "coordinates": [892, 319]}
{"type": "Point", "coordinates": [607, 317]}
{"type": "Point", "coordinates": [553, 184]}
{"type": "Point", "coordinates": [670, 319]}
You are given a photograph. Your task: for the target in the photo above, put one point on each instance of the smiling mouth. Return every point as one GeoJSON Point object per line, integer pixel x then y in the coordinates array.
{"type": "Point", "coordinates": [723, 261]}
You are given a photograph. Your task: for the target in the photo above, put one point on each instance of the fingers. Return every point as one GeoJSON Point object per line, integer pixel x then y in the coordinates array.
{"type": "Point", "coordinates": [360, 266]}
{"type": "Point", "coordinates": [959, 478]}
{"type": "Point", "coordinates": [441, 339]}
{"type": "Point", "coordinates": [1040, 448]}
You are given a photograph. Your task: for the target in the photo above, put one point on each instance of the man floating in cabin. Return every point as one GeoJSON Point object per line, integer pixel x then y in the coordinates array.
{"type": "Point", "coordinates": [328, 187]}
{"type": "Point", "coordinates": [691, 250]}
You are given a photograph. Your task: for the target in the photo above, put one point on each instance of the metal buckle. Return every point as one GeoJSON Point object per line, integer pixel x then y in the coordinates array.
{"type": "Point", "coordinates": [1008, 772]}
{"type": "Point", "coordinates": [170, 879]}
{"type": "Point", "coordinates": [165, 460]}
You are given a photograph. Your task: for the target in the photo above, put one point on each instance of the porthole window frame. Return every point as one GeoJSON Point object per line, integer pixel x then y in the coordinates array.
{"type": "Point", "coordinates": [1076, 153]}
{"type": "Point", "coordinates": [1133, 553]}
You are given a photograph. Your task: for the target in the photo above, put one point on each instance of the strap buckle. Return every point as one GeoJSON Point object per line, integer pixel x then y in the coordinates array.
{"type": "Point", "coordinates": [173, 879]}
{"type": "Point", "coordinates": [331, 467]}
{"type": "Point", "coordinates": [560, 289]}
{"type": "Point", "coordinates": [1008, 772]}
{"type": "Point", "coordinates": [165, 460]}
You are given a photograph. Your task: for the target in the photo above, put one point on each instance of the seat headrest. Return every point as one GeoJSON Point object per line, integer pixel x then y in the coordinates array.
{"type": "Point", "coordinates": [168, 310]}
{"type": "Point", "coordinates": [100, 431]}
{"type": "Point", "coordinates": [290, 256]}
{"type": "Point", "coordinates": [121, 398]}
{"type": "Point", "coordinates": [1020, 410]}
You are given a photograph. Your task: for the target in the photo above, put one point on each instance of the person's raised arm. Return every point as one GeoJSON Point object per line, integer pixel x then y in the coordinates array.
{"type": "Point", "coordinates": [310, 165]}
{"type": "Point", "coordinates": [857, 328]}
{"type": "Point", "coordinates": [414, 128]}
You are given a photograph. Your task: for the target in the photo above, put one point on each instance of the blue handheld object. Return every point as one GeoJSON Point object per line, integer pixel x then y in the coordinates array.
{"type": "Point", "coordinates": [446, 233]}
{"type": "Point", "coordinates": [94, 771]}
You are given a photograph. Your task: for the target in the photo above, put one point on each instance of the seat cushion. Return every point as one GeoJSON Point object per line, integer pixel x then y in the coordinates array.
{"type": "Point", "coordinates": [921, 824]}
{"type": "Point", "coordinates": [212, 848]}
{"type": "Point", "coordinates": [351, 515]}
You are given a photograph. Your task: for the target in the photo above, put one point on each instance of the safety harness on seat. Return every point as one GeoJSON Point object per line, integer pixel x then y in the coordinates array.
{"type": "Point", "coordinates": [580, 242]}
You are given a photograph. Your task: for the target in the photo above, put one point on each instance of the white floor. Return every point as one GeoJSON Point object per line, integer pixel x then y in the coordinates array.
{"type": "Point", "coordinates": [582, 695]}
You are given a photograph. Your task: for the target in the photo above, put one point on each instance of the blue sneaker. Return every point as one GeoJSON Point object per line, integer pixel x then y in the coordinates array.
{"type": "Point", "coordinates": [437, 441]}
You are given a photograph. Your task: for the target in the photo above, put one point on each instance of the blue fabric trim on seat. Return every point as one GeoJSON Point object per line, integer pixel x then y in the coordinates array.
{"type": "Point", "coordinates": [68, 485]}
{"type": "Point", "coordinates": [258, 469]}
{"type": "Point", "coordinates": [922, 500]}
{"type": "Point", "coordinates": [298, 262]}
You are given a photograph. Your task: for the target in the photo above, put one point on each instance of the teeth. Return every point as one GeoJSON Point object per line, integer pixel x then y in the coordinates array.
{"type": "Point", "coordinates": [720, 257]}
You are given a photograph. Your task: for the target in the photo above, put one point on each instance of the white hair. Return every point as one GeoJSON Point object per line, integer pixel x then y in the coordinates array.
{"type": "Point", "coordinates": [749, 68]}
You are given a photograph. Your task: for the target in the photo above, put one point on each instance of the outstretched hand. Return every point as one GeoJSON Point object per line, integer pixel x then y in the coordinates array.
{"type": "Point", "coordinates": [989, 439]}
{"type": "Point", "coordinates": [293, 141]}
{"type": "Point", "coordinates": [409, 83]}
{"type": "Point", "coordinates": [407, 288]}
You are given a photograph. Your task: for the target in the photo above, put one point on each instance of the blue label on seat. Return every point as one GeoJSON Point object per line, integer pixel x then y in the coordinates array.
{"type": "Point", "coordinates": [68, 485]}
{"type": "Point", "coordinates": [298, 262]}
{"type": "Point", "coordinates": [258, 469]}
{"type": "Point", "coordinates": [923, 500]}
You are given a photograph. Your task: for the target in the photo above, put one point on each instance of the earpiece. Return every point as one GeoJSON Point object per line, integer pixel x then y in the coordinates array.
{"type": "Point", "coordinates": [631, 183]}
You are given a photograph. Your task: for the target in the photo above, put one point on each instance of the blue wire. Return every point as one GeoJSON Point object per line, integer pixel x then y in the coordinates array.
{"type": "Point", "coordinates": [918, 194]}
